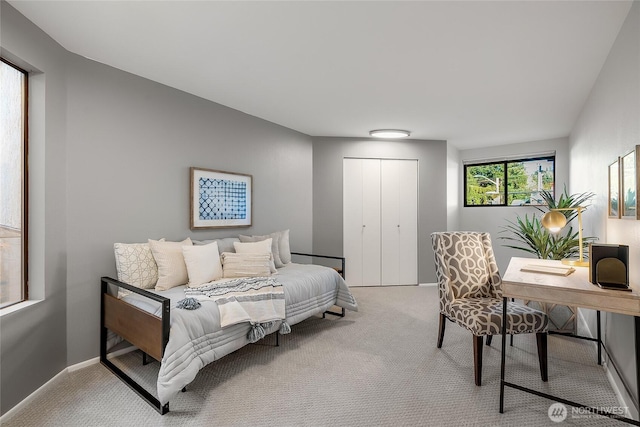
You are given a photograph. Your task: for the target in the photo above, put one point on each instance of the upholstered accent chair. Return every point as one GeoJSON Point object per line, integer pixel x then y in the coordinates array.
{"type": "Point", "coordinates": [469, 286]}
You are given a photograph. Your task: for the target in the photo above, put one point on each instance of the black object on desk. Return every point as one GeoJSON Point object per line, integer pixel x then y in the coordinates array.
{"type": "Point", "coordinates": [614, 274]}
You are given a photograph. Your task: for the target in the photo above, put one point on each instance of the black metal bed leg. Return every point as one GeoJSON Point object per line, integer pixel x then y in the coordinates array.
{"type": "Point", "coordinates": [145, 361]}
{"type": "Point", "coordinates": [341, 314]}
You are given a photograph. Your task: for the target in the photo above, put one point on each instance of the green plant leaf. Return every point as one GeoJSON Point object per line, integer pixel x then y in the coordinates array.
{"type": "Point", "coordinates": [530, 236]}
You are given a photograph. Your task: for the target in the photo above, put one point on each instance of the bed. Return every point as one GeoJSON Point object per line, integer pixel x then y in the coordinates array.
{"type": "Point", "coordinates": [184, 341]}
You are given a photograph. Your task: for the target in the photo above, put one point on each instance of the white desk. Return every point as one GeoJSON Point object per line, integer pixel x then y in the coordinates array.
{"type": "Point", "coordinates": [574, 289]}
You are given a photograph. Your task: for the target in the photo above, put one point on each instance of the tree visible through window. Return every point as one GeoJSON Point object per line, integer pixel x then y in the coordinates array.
{"type": "Point", "coordinates": [13, 183]}
{"type": "Point", "coordinates": [509, 183]}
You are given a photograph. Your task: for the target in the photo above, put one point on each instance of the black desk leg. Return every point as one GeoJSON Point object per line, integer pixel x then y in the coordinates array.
{"type": "Point", "coordinates": [599, 338]}
{"type": "Point", "coordinates": [504, 350]}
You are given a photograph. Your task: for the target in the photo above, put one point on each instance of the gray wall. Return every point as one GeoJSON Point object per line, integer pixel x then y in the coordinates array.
{"type": "Point", "coordinates": [33, 339]}
{"type": "Point", "coordinates": [608, 127]}
{"type": "Point", "coordinates": [493, 219]}
{"type": "Point", "coordinates": [131, 143]}
{"type": "Point", "coordinates": [454, 178]}
{"type": "Point", "coordinates": [328, 154]}
{"type": "Point", "coordinates": [110, 158]}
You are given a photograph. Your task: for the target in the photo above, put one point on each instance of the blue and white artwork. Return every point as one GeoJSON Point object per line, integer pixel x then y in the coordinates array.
{"type": "Point", "coordinates": [222, 199]}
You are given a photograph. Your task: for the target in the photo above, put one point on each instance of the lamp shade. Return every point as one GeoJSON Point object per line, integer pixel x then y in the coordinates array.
{"type": "Point", "coordinates": [554, 221]}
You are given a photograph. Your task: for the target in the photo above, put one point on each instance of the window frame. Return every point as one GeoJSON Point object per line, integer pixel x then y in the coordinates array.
{"type": "Point", "coordinates": [505, 181]}
{"type": "Point", "coordinates": [25, 187]}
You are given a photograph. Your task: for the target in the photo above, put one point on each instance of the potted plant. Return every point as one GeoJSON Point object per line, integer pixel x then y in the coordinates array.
{"type": "Point", "coordinates": [528, 234]}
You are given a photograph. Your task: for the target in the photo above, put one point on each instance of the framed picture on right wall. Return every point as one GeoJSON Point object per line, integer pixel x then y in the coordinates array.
{"type": "Point", "coordinates": [614, 189]}
{"type": "Point", "coordinates": [630, 177]}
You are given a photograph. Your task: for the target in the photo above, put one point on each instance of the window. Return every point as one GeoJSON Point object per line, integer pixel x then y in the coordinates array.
{"type": "Point", "coordinates": [513, 182]}
{"type": "Point", "coordinates": [13, 184]}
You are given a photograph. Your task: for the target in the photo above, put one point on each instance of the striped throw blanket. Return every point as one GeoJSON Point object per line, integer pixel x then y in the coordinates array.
{"type": "Point", "coordinates": [257, 300]}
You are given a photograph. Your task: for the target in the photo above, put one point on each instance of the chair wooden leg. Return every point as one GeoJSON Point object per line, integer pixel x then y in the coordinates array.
{"type": "Point", "coordinates": [443, 321]}
{"type": "Point", "coordinates": [541, 338]}
{"type": "Point", "coordinates": [489, 338]}
{"type": "Point", "coordinates": [477, 358]}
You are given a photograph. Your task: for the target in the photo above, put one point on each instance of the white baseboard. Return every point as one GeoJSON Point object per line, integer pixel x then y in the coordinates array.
{"type": "Point", "coordinates": [95, 360]}
{"type": "Point", "coordinates": [11, 412]}
{"type": "Point", "coordinates": [615, 381]}
{"type": "Point", "coordinates": [624, 399]}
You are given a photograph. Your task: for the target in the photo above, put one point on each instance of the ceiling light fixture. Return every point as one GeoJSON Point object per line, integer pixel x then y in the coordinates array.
{"type": "Point", "coordinates": [389, 133]}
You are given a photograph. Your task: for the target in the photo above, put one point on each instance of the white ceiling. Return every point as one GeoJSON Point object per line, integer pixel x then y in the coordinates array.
{"type": "Point", "coordinates": [474, 73]}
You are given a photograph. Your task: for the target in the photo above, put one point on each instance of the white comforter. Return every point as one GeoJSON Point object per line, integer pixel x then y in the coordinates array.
{"type": "Point", "coordinates": [196, 338]}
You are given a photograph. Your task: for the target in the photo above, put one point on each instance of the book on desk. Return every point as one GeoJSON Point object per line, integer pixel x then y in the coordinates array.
{"type": "Point", "coordinates": [557, 270]}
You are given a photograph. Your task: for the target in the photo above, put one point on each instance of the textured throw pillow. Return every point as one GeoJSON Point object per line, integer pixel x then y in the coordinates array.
{"type": "Point", "coordinates": [135, 264]}
{"type": "Point", "coordinates": [172, 271]}
{"type": "Point", "coordinates": [246, 264]}
{"type": "Point", "coordinates": [275, 245]}
{"type": "Point", "coordinates": [284, 248]}
{"type": "Point", "coordinates": [203, 263]}
{"type": "Point", "coordinates": [260, 247]}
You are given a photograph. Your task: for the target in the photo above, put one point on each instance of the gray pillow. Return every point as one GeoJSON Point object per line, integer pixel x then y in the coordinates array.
{"type": "Point", "coordinates": [224, 245]}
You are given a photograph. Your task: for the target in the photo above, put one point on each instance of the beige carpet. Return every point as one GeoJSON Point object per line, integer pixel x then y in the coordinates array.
{"type": "Point", "coordinates": [377, 367]}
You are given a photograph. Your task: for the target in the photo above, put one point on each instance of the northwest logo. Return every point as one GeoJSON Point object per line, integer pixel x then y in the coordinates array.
{"type": "Point", "coordinates": [557, 412]}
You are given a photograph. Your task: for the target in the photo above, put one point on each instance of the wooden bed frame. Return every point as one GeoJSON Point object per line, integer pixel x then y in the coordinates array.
{"type": "Point", "coordinates": [147, 331]}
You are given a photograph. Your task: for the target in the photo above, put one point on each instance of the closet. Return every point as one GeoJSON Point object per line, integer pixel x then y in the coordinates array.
{"type": "Point", "coordinates": [380, 221]}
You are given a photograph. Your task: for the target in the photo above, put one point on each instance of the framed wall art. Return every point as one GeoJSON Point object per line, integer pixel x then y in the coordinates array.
{"type": "Point", "coordinates": [614, 189]}
{"type": "Point", "coordinates": [629, 176]}
{"type": "Point", "coordinates": [220, 199]}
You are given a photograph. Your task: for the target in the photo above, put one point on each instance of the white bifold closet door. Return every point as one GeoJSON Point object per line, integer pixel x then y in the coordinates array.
{"type": "Point", "coordinates": [380, 220]}
{"type": "Point", "coordinates": [399, 222]}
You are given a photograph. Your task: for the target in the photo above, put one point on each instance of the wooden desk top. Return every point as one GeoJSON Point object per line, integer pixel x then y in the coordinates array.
{"type": "Point", "coordinates": [573, 290]}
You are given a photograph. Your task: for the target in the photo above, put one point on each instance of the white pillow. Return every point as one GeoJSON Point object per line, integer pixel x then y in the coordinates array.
{"type": "Point", "coordinates": [135, 264]}
{"type": "Point", "coordinates": [275, 245]}
{"type": "Point", "coordinates": [172, 271]}
{"type": "Point", "coordinates": [246, 264]}
{"type": "Point", "coordinates": [284, 248]}
{"type": "Point", "coordinates": [203, 264]}
{"type": "Point", "coordinates": [260, 247]}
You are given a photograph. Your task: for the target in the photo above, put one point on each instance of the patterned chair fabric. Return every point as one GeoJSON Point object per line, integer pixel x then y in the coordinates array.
{"type": "Point", "coordinates": [469, 286]}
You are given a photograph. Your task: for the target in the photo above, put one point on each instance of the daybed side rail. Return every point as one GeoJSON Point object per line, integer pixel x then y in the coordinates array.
{"type": "Point", "coordinates": [148, 332]}
{"type": "Point", "coordinates": [342, 259]}
{"type": "Point", "coordinates": [341, 272]}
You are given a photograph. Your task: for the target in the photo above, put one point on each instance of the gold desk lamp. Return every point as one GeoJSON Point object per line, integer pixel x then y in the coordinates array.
{"type": "Point", "coordinates": [554, 221]}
